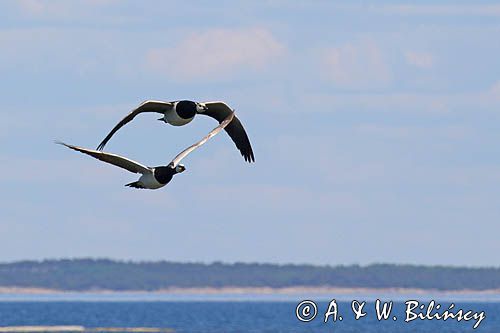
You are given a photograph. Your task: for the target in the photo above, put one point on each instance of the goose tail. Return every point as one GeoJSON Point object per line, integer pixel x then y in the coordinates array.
{"type": "Point", "coordinates": [136, 184]}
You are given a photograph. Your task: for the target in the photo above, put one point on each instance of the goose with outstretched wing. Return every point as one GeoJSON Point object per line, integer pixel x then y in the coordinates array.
{"type": "Point", "coordinates": [152, 177]}
{"type": "Point", "coordinates": [179, 113]}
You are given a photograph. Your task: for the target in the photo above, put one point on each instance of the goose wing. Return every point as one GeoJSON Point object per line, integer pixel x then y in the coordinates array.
{"type": "Point", "coordinates": [212, 133]}
{"type": "Point", "coordinates": [220, 111]}
{"type": "Point", "coordinates": [147, 106]}
{"type": "Point", "coordinates": [117, 160]}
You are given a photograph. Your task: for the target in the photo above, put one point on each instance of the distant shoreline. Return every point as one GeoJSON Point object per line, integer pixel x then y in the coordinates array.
{"type": "Point", "coordinates": [103, 276]}
{"type": "Point", "coordinates": [298, 290]}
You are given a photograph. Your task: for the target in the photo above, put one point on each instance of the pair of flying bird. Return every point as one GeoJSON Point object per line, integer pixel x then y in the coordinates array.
{"type": "Point", "coordinates": [177, 113]}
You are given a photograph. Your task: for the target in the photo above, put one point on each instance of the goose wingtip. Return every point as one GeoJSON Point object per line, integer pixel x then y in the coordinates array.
{"type": "Point", "coordinates": [59, 142]}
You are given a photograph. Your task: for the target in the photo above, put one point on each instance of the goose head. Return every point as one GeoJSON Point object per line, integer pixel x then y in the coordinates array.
{"type": "Point", "coordinates": [180, 168]}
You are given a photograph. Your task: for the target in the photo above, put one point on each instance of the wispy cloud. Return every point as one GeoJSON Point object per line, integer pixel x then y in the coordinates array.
{"type": "Point", "coordinates": [437, 9]}
{"type": "Point", "coordinates": [217, 54]}
{"type": "Point", "coordinates": [408, 102]}
{"type": "Point", "coordinates": [494, 91]}
{"type": "Point", "coordinates": [60, 8]}
{"type": "Point", "coordinates": [47, 49]}
{"type": "Point", "coordinates": [46, 171]}
{"type": "Point", "coordinates": [357, 65]}
{"type": "Point", "coordinates": [449, 133]}
{"type": "Point", "coordinates": [419, 59]}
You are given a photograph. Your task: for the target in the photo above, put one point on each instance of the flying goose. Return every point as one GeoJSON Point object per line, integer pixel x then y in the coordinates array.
{"type": "Point", "coordinates": [179, 113]}
{"type": "Point", "coordinates": [152, 178]}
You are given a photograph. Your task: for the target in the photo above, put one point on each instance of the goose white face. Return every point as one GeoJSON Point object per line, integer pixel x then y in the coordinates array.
{"type": "Point", "coordinates": [201, 107]}
{"type": "Point", "coordinates": [180, 168]}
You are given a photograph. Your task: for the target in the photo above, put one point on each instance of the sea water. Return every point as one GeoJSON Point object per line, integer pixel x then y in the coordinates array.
{"type": "Point", "coordinates": [232, 316]}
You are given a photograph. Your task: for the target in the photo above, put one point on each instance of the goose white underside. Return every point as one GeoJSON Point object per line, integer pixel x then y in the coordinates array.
{"type": "Point", "coordinates": [149, 181]}
{"type": "Point", "coordinates": [173, 118]}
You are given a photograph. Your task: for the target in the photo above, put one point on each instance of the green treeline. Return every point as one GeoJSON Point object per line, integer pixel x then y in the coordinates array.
{"type": "Point", "coordinates": [87, 274]}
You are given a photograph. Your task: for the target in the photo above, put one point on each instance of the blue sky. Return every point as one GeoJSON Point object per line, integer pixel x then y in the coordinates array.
{"type": "Point", "coordinates": [374, 126]}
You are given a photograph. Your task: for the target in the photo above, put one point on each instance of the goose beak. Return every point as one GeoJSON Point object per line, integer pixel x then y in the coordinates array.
{"type": "Point", "coordinates": [161, 119]}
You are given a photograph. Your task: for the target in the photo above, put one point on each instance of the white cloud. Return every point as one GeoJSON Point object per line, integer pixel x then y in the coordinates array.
{"type": "Point", "coordinates": [216, 54]}
{"type": "Point", "coordinates": [360, 65]}
{"type": "Point", "coordinates": [419, 59]}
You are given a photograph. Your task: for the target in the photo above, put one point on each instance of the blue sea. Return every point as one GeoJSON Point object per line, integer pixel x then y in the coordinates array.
{"type": "Point", "coordinates": [231, 316]}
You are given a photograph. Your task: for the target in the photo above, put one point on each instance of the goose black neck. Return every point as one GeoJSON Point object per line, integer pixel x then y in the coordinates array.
{"type": "Point", "coordinates": [164, 174]}
{"type": "Point", "coordinates": [186, 109]}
